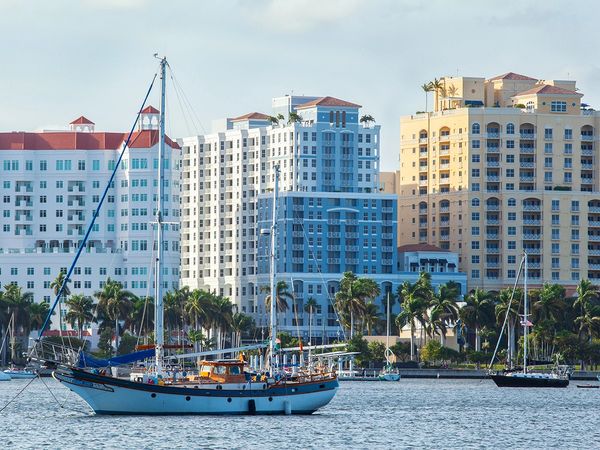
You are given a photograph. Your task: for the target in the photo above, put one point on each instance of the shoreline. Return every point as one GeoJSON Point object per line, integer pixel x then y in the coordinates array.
{"type": "Point", "coordinates": [456, 374]}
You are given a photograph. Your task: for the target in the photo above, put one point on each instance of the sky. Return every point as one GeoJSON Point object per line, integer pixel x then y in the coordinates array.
{"type": "Point", "coordinates": [65, 58]}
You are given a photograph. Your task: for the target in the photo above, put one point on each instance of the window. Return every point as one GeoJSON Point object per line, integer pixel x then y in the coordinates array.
{"type": "Point", "coordinates": [555, 234]}
{"type": "Point", "coordinates": [474, 259]}
{"type": "Point", "coordinates": [475, 143]}
{"type": "Point", "coordinates": [475, 273]}
{"type": "Point", "coordinates": [512, 216]}
{"type": "Point", "coordinates": [510, 128]}
{"type": "Point", "coordinates": [568, 148]}
{"type": "Point", "coordinates": [555, 248]}
{"type": "Point", "coordinates": [548, 177]}
{"type": "Point", "coordinates": [510, 173]}
{"type": "Point", "coordinates": [475, 158]}
{"type": "Point", "coordinates": [475, 172]}
{"type": "Point", "coordinates": [568, 134]}
{"type": "Point", "coordinates": [510, 158]}
{"type": "Point", "coordinates": [557, 106]}
{"type": "Point", "coordinates": [512, 202]}
{"type": "Point", "coordinates": [547, 133]}
{"type": "Point", "coordinates": [475, 187]}
{"type": "Point", "coordinates": [574, 235]}
{"type": "Point", "coordinates": [574, 249]}
{"type": "Point", "coordinates": [512, 259]}
{"type": "Point", "coordinates": [568, 177]}
{"type": "Point", "coordinates": [568, 163]}
{"type": "Point", "coordinates": [510, 143]}
{"type": "Point", "coordinates": [475, 202]}
{"type": "Point", "coordinates": [512, 245]}
{"type": "Point", "coordinates": [475, 231]}
{"type": "Point", "coordinates": [575, 205]}
{"type": "Point", "coordinates": [548, 147]}
{"type": "Point", "coordinates": [474, 245]}
{"type": "Point", "coordinates": [512, 231]}
{"type": "Point", "coordinates": [574, 263]}
{"type": "Point", "coordinates": [475, 128]}
{"type": "Point", "coordinates": [475, 216]}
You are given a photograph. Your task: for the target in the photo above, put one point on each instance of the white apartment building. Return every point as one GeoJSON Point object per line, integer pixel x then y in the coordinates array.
{"type": "Point", "coordinates": [223, 174]}
{"type": "Point", "coordinates": [50, 186]}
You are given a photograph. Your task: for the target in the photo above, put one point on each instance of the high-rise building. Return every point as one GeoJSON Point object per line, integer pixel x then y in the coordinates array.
{"type": "Point", "coordinates": [332, 216]}
{"type": "Point", "coordinates": [501, 166]}
{"type": "Point", "coordinates": [50, 187]}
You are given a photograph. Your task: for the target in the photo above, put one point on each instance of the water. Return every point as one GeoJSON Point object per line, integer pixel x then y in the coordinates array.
{"type": "Point", "coordinates": [373, 415]}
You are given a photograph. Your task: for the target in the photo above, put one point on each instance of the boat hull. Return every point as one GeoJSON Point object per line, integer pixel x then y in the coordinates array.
{"type": "Point", "coordinates": [5, 377]}
{"type": "Point", "coordinates": [389, 377]}
{"type": "Point", "coordinates": [17, 375]}
{"type": "Point", "coordinates": [107, 395]}
{"type": "Point", "coordinates": [531, 382]}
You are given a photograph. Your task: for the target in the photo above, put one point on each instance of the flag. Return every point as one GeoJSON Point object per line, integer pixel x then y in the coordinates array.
{"type": "Point", "coordinates": [526, 323]}
{"type": "Point", "coordinates": [301, 346]}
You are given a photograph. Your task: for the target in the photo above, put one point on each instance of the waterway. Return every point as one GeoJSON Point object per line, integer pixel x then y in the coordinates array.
{"type": "Point", "coordinates": [364, 415]}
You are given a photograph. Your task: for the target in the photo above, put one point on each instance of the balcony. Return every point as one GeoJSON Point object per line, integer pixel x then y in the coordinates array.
{"type": "Point", "coordinates": [444, 151]}
{"type": "Point", "coordinates": [333, 248]}
{"type": "Point", "coordinates": [594, 223]}
{"type": "Point", "coordinates": [594, 252]}
{"type": "Point", "coordinates": [587, 138]}
{"type": "Point", "coordinates": [492, 264]}
{"type": "Point", "coordinates": [587, 152]}
{"type": "Point", "coordinates": [532, 221]}
{"type": "Point", "coordinates": [529, 207]}
{"type": "Point", "coordinates": [533, 250]}
{"type": "Point", "coordinates": [595, 209]}
{"type": "Point", "coordinates": [527, 149]}
{"type": "Point", "coordinates": [492, 250]}
{"type": "Point", "coordinates": [494, 207]}
{"type": "Point", "coordinates": [587, 166]}
{"type": "Point", "coordinates": [423, 154]}
{"type": "Point", "coordinates": [493, 163]}
{"type": "Point", "coordinates": [445, 209]}
{"type": "Point", "coordinates": [493, 149]}
{"type": "Point", "coordinates": [527, 164]}
{"type": "Point", "coordinates": [422, 140]}
{"type": "Point", "coordinates": [528, 136]}
{"type": "Point", "coordinates": [531, 236]}
{"type": "Point", "coordinates": [493, 135]}
{"type": "Point", "coordinates": [526, 179]}
{"type": "Point", "coordinates": [422, 182]}
{"type": "Point", "coordinates": [534, 265]}
{"type": "Point", "coordinates": [594, 237]}
{"type": "Point", "coordinates": [444, 237]}
{"type": "Point", "coordinates": [492, 221]}
{"type": "Point", "coordinates": [492, 178]}
{"type": "Point", "coordinates": [492, 236]}
{"type": "Point", "coordinates": [445, 166]}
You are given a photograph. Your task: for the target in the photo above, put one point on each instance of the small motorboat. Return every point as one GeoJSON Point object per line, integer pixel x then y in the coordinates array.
{"type": "Point", "coordinates": [20, 374]}
{"type": "Point", "coordinates": [588, 386]}
{"type": "Point", "coordinates": [5, 376]}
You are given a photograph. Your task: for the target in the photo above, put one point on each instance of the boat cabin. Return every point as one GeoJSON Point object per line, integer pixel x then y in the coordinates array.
{"type": "Point", "coordinates": [223, 371]}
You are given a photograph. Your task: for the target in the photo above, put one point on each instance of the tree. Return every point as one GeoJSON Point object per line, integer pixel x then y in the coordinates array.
{"type": "Point", "coordinates": [358, 344]}
{"type": "Point", "coordinates": [115, 303]}
{"type": "Point", "coordinates": [427, 88]}
{"type": "Point", "coordinates": [444, 309]}
{"type": "Point", "coordinates": [431, 352]}
{"type": "Point", "coordinates": [367, 119]}
{"type": "Point", "coordinates": [142, 315]}
{"type": "Point", "coordinates": [505, 304]}
{"type": "Point", "coordinates": [37, 315]}
{"type": "Point", "coordinates": [81, 311]}
{"type": "Point", "coordinates": [18, 303]}
{"type": "Point", "coordinates": [274, 120]}
{"type": "Point", "coordinates": [415, 299]}
{"type": "Point", "coordinates": [294, 117]}
{"type": "Point", "coordinates": [352, 296]}
{"type": "Point", "coordinates": [477, 312]}
{"type": "Point", "coordinates": [240, 324]}
{"type": "Point", "coordinates": [371, 317]}
{"type": "Point", "coordinates": [223, 317]}
{"type": "Point", "coordinates": [55, 285]}
{"type": "Point", "coordinates": [438, 88]}
{"type": "Point", "coordinates": [282, 295]}
{"type": "Point", "coordinates": [377, 351]}
{"type": "Point", "coordinates": [200, 310]}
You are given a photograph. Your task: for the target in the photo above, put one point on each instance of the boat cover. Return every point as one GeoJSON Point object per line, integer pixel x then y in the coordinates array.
{"type": "Point", "coordinates": [87, 360]}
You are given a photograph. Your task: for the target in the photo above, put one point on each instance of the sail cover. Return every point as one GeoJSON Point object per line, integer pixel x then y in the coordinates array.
{"type": "Point", "coordinates": [87, 360]}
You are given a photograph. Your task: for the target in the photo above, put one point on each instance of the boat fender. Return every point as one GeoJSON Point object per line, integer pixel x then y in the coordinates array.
{"type": "Point", "coordinates": [252, 406]}
{"type": "Point", "coordinates": [287, 407]}
{"type": "Point", "coordinates": [184, 374]}
{"type": "Point", "coordinates": [219, 387]}
{"type": "Point", "coordinates": [150, 381]}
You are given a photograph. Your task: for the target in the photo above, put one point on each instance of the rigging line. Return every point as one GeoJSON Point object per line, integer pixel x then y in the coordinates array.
{"type": "Point", "coordinates": [51, 393]}
{"type": "Point", "coordinates": [148, 284]}
{"type": "Point", "coordinates": [186, 103]}
{"type": "Point", "coordinates": [18, 393]}
{"type": "Point", "coordinates": [189, 103]}
{"type": "Point", "coordinates": [95, 214]}
{"type": "Point", "coordinates": [183, 114]}
{"type": "Point", "coordinates": [507, 312]}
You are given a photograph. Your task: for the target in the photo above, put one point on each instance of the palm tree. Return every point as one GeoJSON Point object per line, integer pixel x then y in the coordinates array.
{"type": "Point", "coordinates": [199, 307]}
{"type": "Point", "coordinates": [223, 317]}
{"type": "Point", "coordinates": [294, 117]}
{"type": "Point", "coordinates": [477, 312]}
{"type": "Point", "coordinates": [240, 323]}
{"type": "Point", "coordinates": [427, 88]}
{"type": "Point", "coordinates": [115, 303]}
{"type": "Point", "coordinates": [367, 119]}
{"type": "Point", "coordinates": [274, 120]}
{"type": "Point", "coordinates": [310, 307]}
{"type": "Point", "coordinates": [438, 88]}
{"type": "Point", "coordinates": [142, 315]}
{"type": "Point", "coordinates": [505, 304]}
{"type": "Point", "coordinates": [371, 317]}
{"type": "Point", "coordinates": [81, 311]}
{"type": "Point", "coordinates": [415, 300]}
{"type": "Point", "coordinates": [443, 309]}
{"type": "Point", "coordinates": [350, 301]}
{"type": "Point", "coordinates": [282, 294]}
{"type": "Point", "coordinates": [173, 309]}
{"type": "Point", "coordinates": [18, 303]}
{"type": "Point", "coordinates": [56, 284]}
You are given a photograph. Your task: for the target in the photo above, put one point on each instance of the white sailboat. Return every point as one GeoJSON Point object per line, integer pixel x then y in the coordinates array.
{"type": "Point", "coordinates": [525, 378]}
{"type": "Point", "coordinates": [220, 387]}
{"type": "Point", "coordinates": [13, 372]}
{"type": "Point", "coordinates": [389, 373]}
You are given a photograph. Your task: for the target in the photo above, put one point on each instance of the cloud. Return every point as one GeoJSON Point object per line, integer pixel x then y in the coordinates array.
{"type": "Point", "coordinates": [297, 16]}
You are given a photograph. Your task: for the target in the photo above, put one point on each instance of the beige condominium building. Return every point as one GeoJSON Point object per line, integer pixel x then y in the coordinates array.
{"type": "Point", "coordinates": [501, 166]}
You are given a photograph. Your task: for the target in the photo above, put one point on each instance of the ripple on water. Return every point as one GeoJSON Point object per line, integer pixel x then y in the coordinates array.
{"type": "Point", "coordinates": [408, 414]}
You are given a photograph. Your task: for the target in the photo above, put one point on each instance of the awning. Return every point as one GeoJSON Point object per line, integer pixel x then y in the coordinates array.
{"type": "Point", "coordinates": [451, 265]}
{"type": "Point", "coordinates": [443, 261]}
{"type": "Point", "coordinates": [433, 261]}
{"type": "Point", "coordinates": [424, 260]}
{"type": "Point", "coordinates": [414, 264]}
{"type": "Point", "coordinates": [473, 103]}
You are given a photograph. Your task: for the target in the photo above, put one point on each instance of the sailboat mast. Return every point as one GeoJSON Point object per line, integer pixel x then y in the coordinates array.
{"type": "Point", "coordinates": [387, 339]}
{"type": "Point", "coordinates": [273, 272]}
{"type": "Point", "coordinates": [159, 314]}
{"type": "Point", "coordinates": [525, 320]}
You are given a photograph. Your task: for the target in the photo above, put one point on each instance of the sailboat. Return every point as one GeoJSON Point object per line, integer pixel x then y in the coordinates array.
{"type": "Point", "coordinates": [13, 372]}
{"type": "Point", "coordinates": [525, 378]}
{"type": "Point", "coordinates": [225, 386]}
{"type": "Point", "coordinates": [389, 373]}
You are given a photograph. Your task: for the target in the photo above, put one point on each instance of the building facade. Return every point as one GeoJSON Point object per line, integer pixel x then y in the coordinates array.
{"type": "Point", "coordinates": [332, 216]}
{"type": "Point", "coordinates": [501, 166]}
{"type": "Point", "coordinates": [51, 184]}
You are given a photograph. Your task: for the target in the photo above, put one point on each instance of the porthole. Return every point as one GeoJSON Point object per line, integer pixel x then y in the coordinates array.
{"type": "Point", "coordinates": [219, 387]}
{"type": "Point", "coordinates": [153, 395]}
{"type": "Point", "coordinates": [188, 398]}
{"type": "Point", "coordinates": [270, 399]}
{"type": "Point", "coordinates": [229, 400]}
{"type": "Point", "coordinates": [321, 386]}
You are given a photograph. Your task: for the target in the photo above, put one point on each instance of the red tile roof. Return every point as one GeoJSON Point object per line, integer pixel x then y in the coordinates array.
{"type": "Point", "coordinates": [150, 110]}
{"type": "Point", "coordinates": [546, 89]}
{"type": "Point", "coordinates": [513, 76]}
{"type": "Point", "coordinates": [82, 120]}
{"type": "Point", "coordinates": [420, 248]}
{"type": "Point", "coordinates": [328, 101]}
{"type": "Point", "coordinates": [72, 333]}
{"type": "Point", "coordinates": [251, 116]}
{"type": "Point", "coordinates": [71, 140]}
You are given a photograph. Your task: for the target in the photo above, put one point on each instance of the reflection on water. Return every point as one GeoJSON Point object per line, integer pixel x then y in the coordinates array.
{"type": "Point", "coordinates": [411, 413]}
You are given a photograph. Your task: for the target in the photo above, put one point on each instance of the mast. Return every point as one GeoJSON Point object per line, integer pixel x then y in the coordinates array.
{"type": "Point", "coordinates": [525, 321]}
{"type": "Point", "coordinates": [387, 338]}
{"type": "Point", "coordinates": [273, 272]}
{"type": "Point", "coordinates": [159, 310]}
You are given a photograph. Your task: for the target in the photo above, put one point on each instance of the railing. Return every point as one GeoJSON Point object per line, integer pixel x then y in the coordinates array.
{"type": "Point", "coordinates": [594, 237]}
{"type": "Point", "coordinates": [587, 137]}
{"type": "Point", "coordinates": [587, 166]}
{"type": "Point", "coordinates": [527, 135]}
{"type": "Point", "coordinates": [422, 182]}
{"type": "Point", "coordinates": [493, 163]}
{"type": "Point", "coordinates": [492, 250]}
{"type": "Point", "coordinates": [444, 209]}
{"type": "Point", "coordinates": [492, 236]}
{"type": "Point", "coordinates": [526, 179]}
{"type": "Point", "coordinates": [532, 208]}
{"type": "Point", "coordinates": [493, 134]}
{"type": "Point", "coordinates": [532, 221]}
{"type": "Point", "coordinates": [587, 152]}
{"type": "Point", "coordinates": [492, 178]}
{"type": "Point", "coordinates": [533, 250]}
{"type": "Point", "coordinates": [527, 149]}
{"type": "Point", "coordinates": [492, 207]}
{"type": "Point", "coordinates": [531, 237]}
{"type": "Point", "coordinates": [527, 164]}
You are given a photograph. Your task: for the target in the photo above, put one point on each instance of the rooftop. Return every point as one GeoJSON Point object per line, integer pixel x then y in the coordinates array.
{"type": "Point", "coordinates": [251, 116]}
{"type": "Point", "coordinates": [512, 76]}
{"type": "Point", "coordinates": [328, 101]}
{"type": "Point", "coordinates": [150, 110]}
{"type": "Point", "coordinates": [82, 120]}
{"type": "Point", "coordinates": [546, 89]}
{"type": "Point", "coordinates": [72, 140]}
